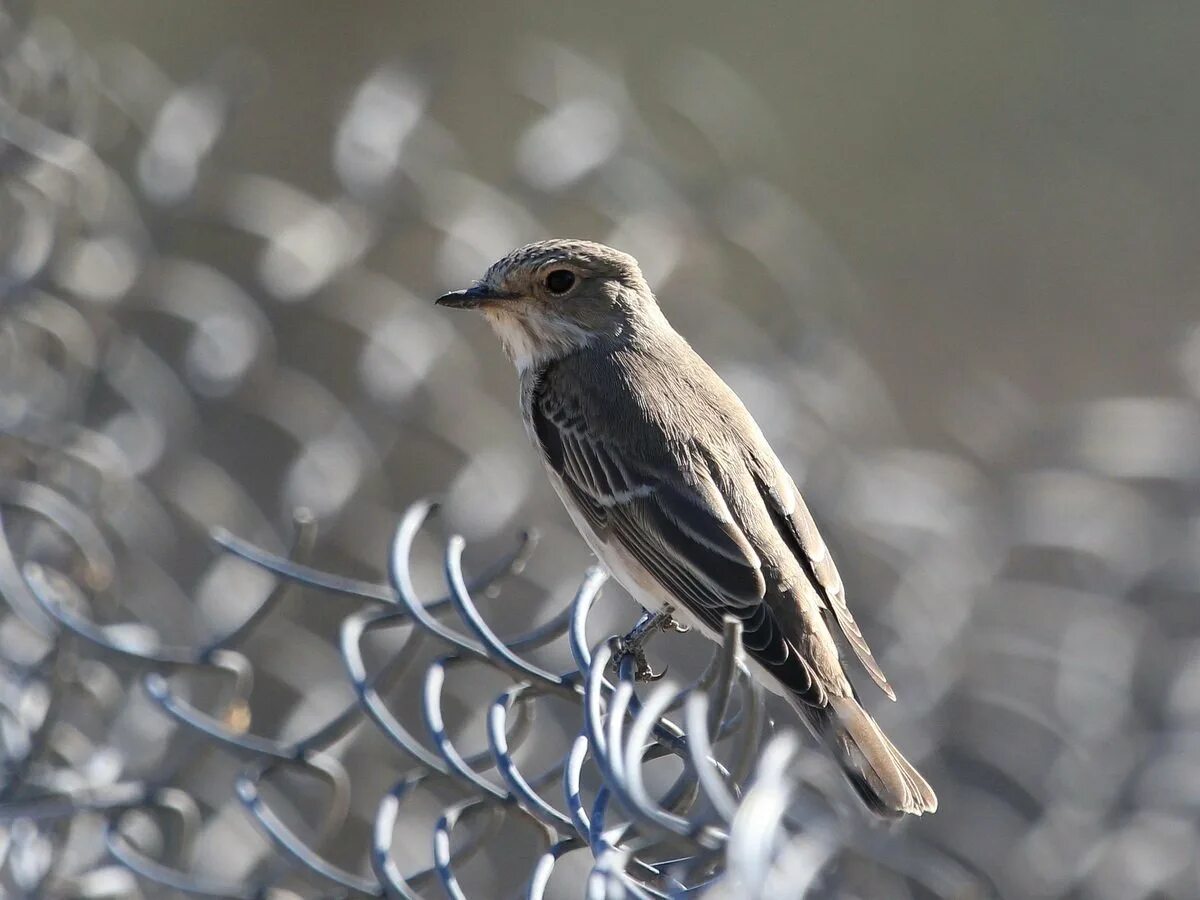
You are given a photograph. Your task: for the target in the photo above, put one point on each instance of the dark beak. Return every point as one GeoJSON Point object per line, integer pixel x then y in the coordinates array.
{"type": "Point", "coordinates": [471, 298]}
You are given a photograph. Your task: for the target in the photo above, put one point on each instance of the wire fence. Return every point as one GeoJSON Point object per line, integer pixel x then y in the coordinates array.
{"type": "Point", "coordinates": [200, 365]}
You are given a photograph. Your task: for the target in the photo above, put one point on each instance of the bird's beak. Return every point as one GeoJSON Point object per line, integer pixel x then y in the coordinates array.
{"type": "Point", "coordinates": [471, 298]}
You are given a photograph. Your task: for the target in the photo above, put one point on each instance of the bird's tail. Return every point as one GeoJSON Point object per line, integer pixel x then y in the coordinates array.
{"type": "Point", "coordinates": [886, 781]}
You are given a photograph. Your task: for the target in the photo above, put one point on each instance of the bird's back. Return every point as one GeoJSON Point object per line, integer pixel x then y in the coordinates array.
{"type": "Point", "coordinates": [663, 404]}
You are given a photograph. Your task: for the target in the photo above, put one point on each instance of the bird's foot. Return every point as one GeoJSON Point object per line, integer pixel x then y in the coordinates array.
{"type": "Point", "coordinates": [633, 644]}
{"type": "Point", "coordinates": [641, 666]}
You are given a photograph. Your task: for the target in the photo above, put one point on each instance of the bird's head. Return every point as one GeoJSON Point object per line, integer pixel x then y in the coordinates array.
{"type": "Point", "coordinates": [551, 298]}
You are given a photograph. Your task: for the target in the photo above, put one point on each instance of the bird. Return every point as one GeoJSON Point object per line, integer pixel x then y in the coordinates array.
{"type": "Point", "coordinates": [674, 487]}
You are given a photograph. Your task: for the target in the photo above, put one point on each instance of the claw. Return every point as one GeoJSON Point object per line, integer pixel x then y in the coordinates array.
{"type": "Point", "coordinates": [632, 644]}
{"type": "Point", "coordinates": [641, 666]}
{"type": "Point", "coordinates": [645, 673]}
{"type": "Point", "coordinates": [669, 624]}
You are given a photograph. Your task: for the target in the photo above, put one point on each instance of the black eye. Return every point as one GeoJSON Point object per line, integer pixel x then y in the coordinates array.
{"type": "Point", "coordinates": [560, 281]}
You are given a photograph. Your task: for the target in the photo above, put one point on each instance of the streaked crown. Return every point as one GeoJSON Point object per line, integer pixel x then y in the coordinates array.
{"type": "Point", "coordinates": [595, 259]}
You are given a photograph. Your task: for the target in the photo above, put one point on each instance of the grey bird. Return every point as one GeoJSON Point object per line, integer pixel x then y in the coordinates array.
{"type": "Point", "coordinates": [673, 486]}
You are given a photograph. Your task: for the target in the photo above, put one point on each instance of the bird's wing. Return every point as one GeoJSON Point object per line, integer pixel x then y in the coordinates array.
{"type": "Point", "coordinates": [800, 531]}
{"type": "Point", "coordinates": [675, 524]}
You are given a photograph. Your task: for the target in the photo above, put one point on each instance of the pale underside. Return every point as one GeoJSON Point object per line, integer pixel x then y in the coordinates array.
{"type": "Point", "coordinates": [645, 588]}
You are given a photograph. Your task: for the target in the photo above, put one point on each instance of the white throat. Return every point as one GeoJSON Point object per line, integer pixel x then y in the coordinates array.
{"type": "Point", "coordinates": [530, 345]}
{"type": "Point", "coordinates": [518, 343]}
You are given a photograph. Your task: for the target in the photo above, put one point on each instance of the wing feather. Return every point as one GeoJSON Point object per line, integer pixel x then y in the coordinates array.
{"type": "Point", "coordinates": [677, 526]}
{"type": "Point", "coordinates": [800, 531]}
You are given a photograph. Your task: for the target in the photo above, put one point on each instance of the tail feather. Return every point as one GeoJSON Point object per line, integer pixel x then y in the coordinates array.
{"type": "Point", "coordinates": [886, 781]}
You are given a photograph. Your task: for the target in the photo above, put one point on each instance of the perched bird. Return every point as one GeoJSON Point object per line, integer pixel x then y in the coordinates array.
{"type": "Point", "coordinates": [673, 486]}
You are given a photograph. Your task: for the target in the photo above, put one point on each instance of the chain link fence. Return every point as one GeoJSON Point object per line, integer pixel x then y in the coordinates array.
{"type": "Point", "coordinates": [241, 657]}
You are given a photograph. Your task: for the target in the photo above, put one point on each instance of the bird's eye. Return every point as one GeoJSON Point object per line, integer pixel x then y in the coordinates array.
{"type": "Point", "coordinates": [560, 281]}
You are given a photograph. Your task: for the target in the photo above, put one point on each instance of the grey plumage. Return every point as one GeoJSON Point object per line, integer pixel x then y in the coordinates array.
{"type": "Point", "coordinates": [672, 483]}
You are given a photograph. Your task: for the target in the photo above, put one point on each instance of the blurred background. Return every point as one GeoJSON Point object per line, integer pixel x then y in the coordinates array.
{"type": "Point", "coordinates": [944, 253]}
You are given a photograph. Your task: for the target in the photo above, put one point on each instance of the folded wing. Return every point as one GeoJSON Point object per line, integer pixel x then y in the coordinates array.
{"type": "Point", "coordinates": [796, 525]}
{"type": "Point", "coordinates": [675, 523]}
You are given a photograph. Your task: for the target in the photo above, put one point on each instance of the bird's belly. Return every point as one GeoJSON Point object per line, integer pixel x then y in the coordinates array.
{"type": "Point", "coordinates": [629, 573]}
{"type": "Point", "coordinates": [644, 587]}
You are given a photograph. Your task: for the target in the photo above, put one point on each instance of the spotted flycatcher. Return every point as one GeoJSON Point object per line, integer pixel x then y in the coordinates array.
{"type": "Point", "coordinates": [672, 484]}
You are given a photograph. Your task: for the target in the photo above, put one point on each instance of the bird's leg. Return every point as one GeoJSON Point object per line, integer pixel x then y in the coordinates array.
{"type": "Point", "coordinates": [634, 643]}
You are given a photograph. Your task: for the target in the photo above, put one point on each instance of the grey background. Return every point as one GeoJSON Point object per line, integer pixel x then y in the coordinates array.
{"type": "Point", "coordinates": [1012, 186]}
{"type": "Point", "coordinates": [945, 252]}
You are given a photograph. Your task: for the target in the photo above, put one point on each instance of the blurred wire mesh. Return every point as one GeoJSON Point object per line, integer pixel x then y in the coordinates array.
{"type": "Point", "coordinates": [218, 389]}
